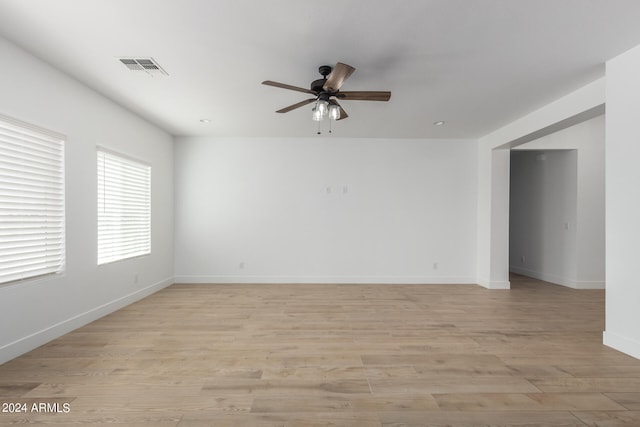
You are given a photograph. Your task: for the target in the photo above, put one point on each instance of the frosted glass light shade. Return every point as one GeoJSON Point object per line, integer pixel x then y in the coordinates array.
{"type": "Point", "coordinates": [334, 112]}
{"type": "Point", "coordinates": [317, 116]}
{"type": "Point", "coordinates": [323, 107]}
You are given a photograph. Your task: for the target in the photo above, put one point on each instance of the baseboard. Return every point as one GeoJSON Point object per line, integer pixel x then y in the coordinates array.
{"type": "Point", "coordinates": [499, 284]}
{"type": "Point", "coordinates": [494, 284]}
{"type": "Point", "coordinates": [558, 280]}
{"type": "Point", "coordinates": [35, 340]}
{"type": "Point", "coordinates": [589, 285]}
{"type": "Point", "coordinates": [618, 342]}
{"type": "Point", "coordinates": [409, 280]}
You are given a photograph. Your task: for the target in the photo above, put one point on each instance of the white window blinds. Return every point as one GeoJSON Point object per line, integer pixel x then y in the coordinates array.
{"type": "Point", "coordinates": [124, 208]}
{"type": "Point", "coordinates": [31, 201]}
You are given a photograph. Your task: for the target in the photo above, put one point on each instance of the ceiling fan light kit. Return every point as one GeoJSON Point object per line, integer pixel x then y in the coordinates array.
{"type": "Point", "coordinates": [326, 91]}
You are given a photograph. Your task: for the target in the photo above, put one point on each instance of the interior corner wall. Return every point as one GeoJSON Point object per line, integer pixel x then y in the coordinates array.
{"type": "Point", "coordinates": [325, 210]}
{"type": "Point", "coordinates": [623, 203]}
{"type": "Point", "coordinates": [500, 169]}
{"type": "Point", "coordinates": [587, 229]}
{"type": "Point", "coordinates": [492, 248]}
{"type": "Point", "coordinates": [33, 312]}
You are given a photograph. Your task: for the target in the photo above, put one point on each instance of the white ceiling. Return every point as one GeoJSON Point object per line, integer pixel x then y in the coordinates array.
{"type": "Point", "coordinates": [477, 64]}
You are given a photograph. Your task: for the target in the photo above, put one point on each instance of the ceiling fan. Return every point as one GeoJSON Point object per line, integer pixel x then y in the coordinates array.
{"type": "Point", "coordinates": [326, 93]}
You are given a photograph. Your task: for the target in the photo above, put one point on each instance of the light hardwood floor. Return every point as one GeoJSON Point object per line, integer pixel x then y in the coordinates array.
{"type": "Point", "coordinates": [340, 355]}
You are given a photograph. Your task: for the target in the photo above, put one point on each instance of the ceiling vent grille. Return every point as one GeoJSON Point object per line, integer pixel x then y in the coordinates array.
{"type": "Point", "coordinates": [147, 65]}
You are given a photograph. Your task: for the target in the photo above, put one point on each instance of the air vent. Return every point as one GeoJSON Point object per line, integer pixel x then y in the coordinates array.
{"type": "Point", "coordinates": [147, 65]}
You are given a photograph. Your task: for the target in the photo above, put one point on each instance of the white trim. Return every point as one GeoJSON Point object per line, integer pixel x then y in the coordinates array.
{"type": "Point", "coordinates": [495, 284]}
{"type": "Point", "coordinates": [30, 342]}
{"type": "Point", "coordinates": [582, 284]}
{"type": "Point", "coordinates": [540, 275]}
{"type": "Point", "coordinates": [33, 128]}
{"type": "Point", "coordinates": [113, 152]}
{"type": "Point", "coordinates": [618, 342]}
{"type": "Point", "coordinates": [557, 280]}
{"type": "Point", "coordinates": [409, 280]}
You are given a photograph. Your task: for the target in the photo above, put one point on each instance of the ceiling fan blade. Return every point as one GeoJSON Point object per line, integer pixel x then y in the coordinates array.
{"type": "Point", "coordinates": [364, 95]}
{"type": "Point", "coordinates": [338, 75]}
{"type": "Point", "coordinates": [296, 105]}
{"type": "Point", "coordinates": [286, 86]}
{"type": "Point", "coordinates": [343, 114]}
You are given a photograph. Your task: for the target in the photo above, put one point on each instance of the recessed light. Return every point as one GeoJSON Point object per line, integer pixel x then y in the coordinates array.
{"type": "Point", "coordinates": [205, 120]}
{"type": "Point", "coordinates": [438, 123]}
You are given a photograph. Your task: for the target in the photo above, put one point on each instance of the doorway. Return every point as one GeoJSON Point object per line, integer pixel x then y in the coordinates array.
{"type": "Point", "coordinates": [556, 208]}
{"type": "Point", "coordinates": [542, 215]}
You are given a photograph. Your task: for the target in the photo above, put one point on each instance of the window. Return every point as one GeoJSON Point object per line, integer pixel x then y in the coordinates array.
{"type": "Point", "coordinates": [31, 201]}
{"type": "Point", "coordinates": [124, 207]}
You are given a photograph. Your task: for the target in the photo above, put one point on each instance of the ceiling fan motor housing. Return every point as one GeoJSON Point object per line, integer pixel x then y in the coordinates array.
{"type": "Point", "coordinates": [317, 85]}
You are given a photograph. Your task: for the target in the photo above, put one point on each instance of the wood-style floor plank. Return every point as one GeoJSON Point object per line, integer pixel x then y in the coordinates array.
{"type": "Point", "coordinates": [335, 355]}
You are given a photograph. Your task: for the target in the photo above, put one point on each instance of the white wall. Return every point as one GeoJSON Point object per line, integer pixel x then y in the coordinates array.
{"type": "Point", "coordinates": [36, 311]}
{"type": "Point", "coordinates": [542, 223]}
{"type": "Point", "coordinates": [325, 210]}
{"type": "Point", "coordinates": [588, 226]}
{"type": "Point", "coordinates": [623, 203]}
{"type": "Point", "coordinates": [493, 174]}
